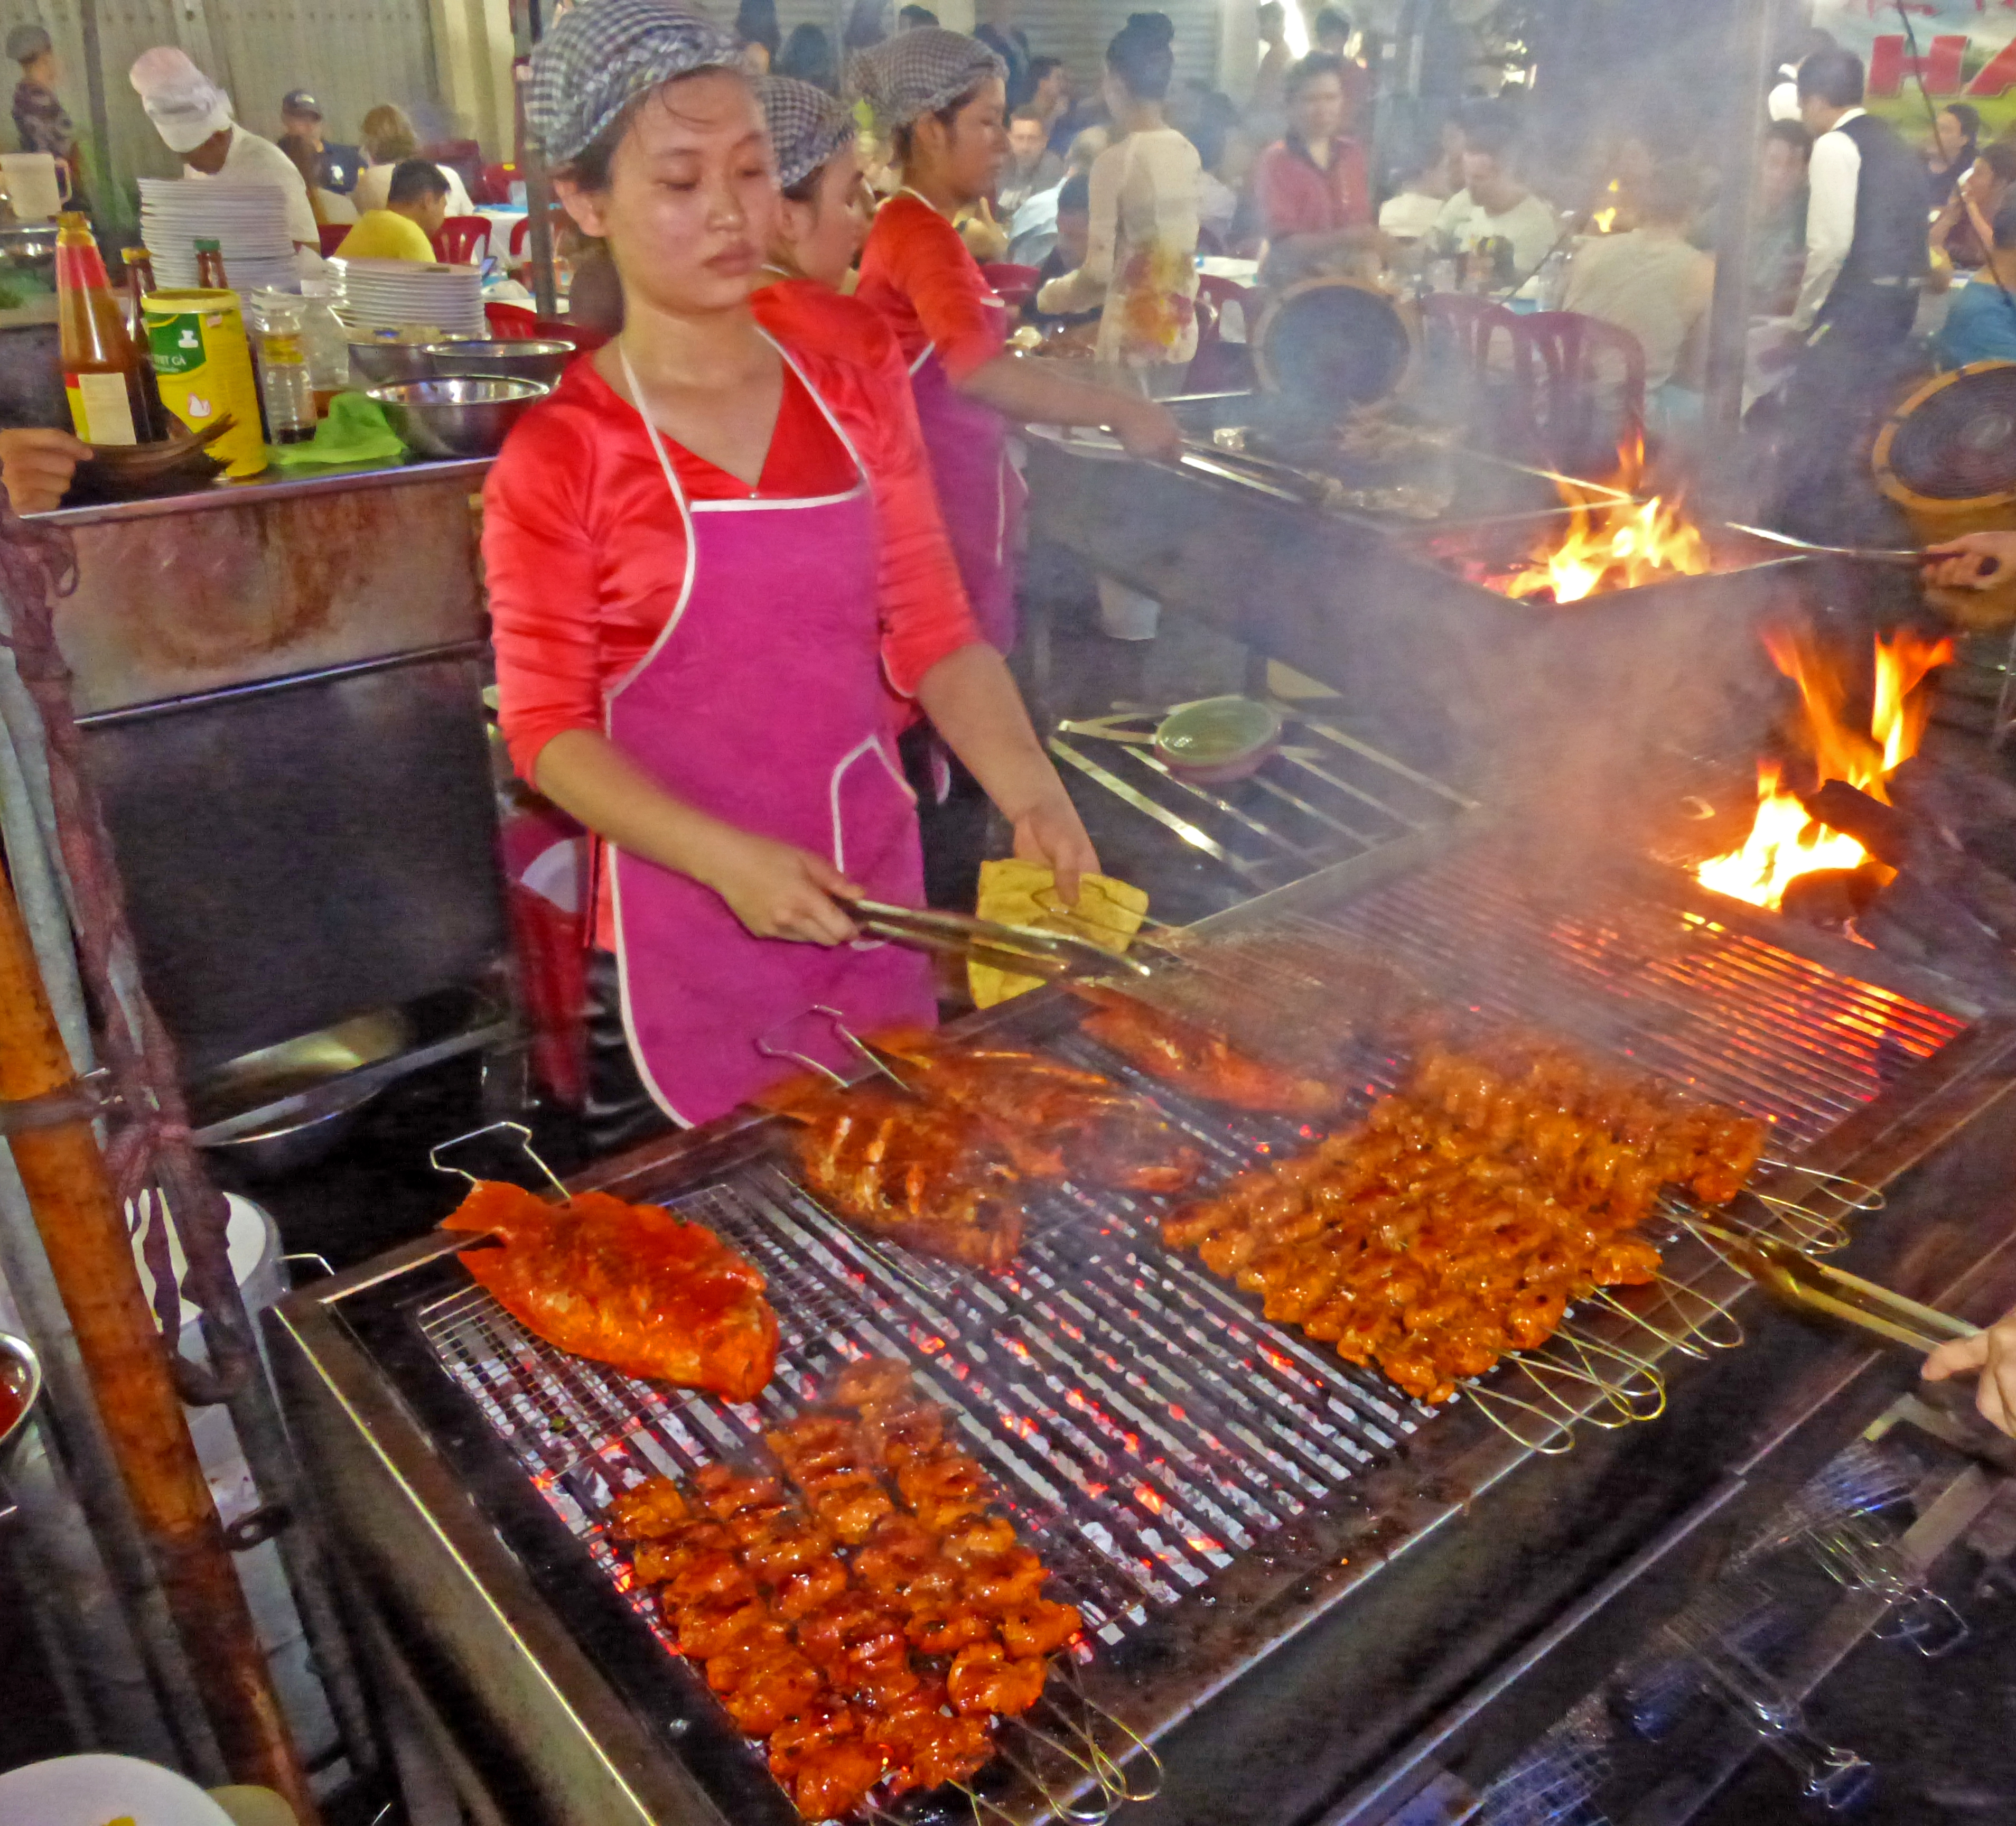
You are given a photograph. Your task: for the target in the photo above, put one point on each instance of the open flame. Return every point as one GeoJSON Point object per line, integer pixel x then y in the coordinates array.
{"type": "Point", "coordinates": [1613, 544]}
{"type": "Point", "coordinates": [1786, 841]}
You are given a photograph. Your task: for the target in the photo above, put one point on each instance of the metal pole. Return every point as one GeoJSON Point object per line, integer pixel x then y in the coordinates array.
{"type": "Point", "coordinates": [539, 235]}
{"type": "Point", "coordinates": [101, 117]}
{"type": "Point", "coordinates": [78, 1217]}
{"type": "Point", "coordinates": [1753, 31]}
{"type": "Point", "coordinates": [94, 1481]}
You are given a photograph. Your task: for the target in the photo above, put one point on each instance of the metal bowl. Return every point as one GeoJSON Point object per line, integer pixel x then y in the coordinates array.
{"type": "Point", "coordinates": [526, 360]}
{"type": "Point", "coordinates": [20, 1382]}
{"type": "Point", "coordinates": [460, 416]}
{"type": "Point", "coordinates": [313, 1066]}
{"type": "Point", "coordinates": [1217, 741]}
{"type": "Point", "coordinates": [380, 364]}
{"type": "Point", "coordinates": [28, 247]}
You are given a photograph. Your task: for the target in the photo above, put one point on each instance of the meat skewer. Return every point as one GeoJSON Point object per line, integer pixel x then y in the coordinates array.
{"type": "Point", "coordinates": [822, 1613]}
{"type": "Point", "coordinates": [1461, 1218]}
{"type": "Point", "coordinates": [1194, 1059]}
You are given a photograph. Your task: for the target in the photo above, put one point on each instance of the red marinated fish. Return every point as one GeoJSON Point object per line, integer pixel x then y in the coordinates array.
{"type": "Point", "coordinates": [1194, 1059]}
{"type": "Point", "coordinates": [629, 1285]}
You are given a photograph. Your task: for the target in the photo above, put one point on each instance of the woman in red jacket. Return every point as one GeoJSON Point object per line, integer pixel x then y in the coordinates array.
{"type": "Point", "coordinates": [940, 96]}
{"type": "Point", "coordinates": [705, 554]}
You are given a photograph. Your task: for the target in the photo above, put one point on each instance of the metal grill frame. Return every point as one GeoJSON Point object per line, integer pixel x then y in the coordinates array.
{"type": "Point", "coordinates": [1169, 1672]}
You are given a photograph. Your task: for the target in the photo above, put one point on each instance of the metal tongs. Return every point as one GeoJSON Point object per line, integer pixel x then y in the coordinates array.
{"type": "Point", "coordinates": [1910, 559]}
{"type": "Point", "coordinates": [1025, 950]}
{"type": "Point", "coordinates": [1776, 1264]}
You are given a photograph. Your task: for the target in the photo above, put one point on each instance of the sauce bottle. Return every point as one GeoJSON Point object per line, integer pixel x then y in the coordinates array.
{"type": "Point", "coordinates": [139, 274]}
{"type": "Point", "coordinates": [101, 370]}
{"type": "Point", "coordinates": [210, 267]}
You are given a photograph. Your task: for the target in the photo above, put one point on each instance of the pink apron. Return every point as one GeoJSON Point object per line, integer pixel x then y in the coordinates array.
{"type": "Point", "coordinates": [761, 702]}
{"type": "Point", "coordinates": [980, 495]}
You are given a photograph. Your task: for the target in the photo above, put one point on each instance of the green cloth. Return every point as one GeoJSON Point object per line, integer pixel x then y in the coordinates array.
{"type": "Point", "coordinates": [355, 431]}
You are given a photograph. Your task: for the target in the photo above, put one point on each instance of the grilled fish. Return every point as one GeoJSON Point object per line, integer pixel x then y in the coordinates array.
{"type": "Point", "coordinates": [629, 1285]}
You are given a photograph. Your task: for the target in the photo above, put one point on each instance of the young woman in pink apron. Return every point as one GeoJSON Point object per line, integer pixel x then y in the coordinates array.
{"type": "Point", "coordinates": [707, 554]}
{"type": "Point", "coordinates": [940, 96]}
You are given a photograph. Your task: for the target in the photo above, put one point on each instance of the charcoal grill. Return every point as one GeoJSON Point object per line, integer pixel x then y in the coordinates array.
{"type": "Point", "coordinates": [1286, 1566]}
{"type": "Point", "coordinates": [1373, 606]}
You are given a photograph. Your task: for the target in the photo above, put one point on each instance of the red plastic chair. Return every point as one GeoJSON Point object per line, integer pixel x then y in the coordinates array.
{"type": "Point", "coordinates": [1015, 286]}
{"type": "Point", "coordinates": [1567, 363]}
{"type": "Point", "coordinates": [1219, 366]}
{"type": "Point", "coordinates": [464, 240]}
{"type": "Point", "coordinates": [511, 322]}
{"type": "Point", "coordinates": [493, 184]}
{"type": "Point", "coordinates": [522, 227]}
{"type": "Point", "coordinates": [1473, 325]}
{"type": "Point", "coordinates": [514, 323]}
{"type": "Point", "coordinates": [331, 234]}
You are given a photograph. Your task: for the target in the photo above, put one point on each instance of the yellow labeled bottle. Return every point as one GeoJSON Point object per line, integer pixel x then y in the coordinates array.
{"type": "Point", "coordinates": [101, 370]}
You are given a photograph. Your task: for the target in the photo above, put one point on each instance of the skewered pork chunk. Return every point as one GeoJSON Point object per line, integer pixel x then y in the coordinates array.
{"type": "Point", "coordinates": [1459, 1219]}
{"type": "Point", "coordinates": [1194, 1059]}
{"type": "Point", "coordinates": [984, 1679]}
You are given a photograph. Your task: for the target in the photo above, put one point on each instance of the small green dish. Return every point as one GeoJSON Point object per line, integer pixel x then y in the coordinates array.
{"type": "Point", "coordinates": [1218, 739]}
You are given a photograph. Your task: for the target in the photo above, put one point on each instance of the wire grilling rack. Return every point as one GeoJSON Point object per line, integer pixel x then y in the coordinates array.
{"type": "Point", "coordinates": [1149, 1428]}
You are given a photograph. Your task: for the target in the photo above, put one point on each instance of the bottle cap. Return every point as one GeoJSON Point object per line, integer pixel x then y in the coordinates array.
{"type": "Point", "coordinates": [209, 247]}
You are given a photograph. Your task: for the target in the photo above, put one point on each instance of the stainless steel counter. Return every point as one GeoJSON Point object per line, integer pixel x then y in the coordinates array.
{"type": "Point", "coordinates": [273, 485]}
{"type": "Point", "coordinates": [279, 682]}
{"type": "Point", "coordinates": [184, 596]}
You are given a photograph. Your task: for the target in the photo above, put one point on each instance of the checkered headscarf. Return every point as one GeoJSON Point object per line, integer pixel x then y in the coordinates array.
{"type": "Point", "coordinates": [808, 126]}
{"type": "Point", "coordinates": [917, 73]}
{"type": "Point", "coordinates": [602, 54]}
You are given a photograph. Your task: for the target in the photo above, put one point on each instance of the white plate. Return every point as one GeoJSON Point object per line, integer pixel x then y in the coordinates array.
{"type": "Point", "coordinates": [89, 1790]}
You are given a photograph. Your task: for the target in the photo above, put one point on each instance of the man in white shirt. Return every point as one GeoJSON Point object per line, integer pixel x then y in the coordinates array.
{"type": "Point", "coordinates": [1866, 258]}
{"type": "Point", "coordinates": [192, 115]}
{"type": "Point", "coordinates": [1493, 202]}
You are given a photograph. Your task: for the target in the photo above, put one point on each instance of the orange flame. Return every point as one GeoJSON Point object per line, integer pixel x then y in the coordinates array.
{"type": "Point", "coordinates": [1613, 544]}
{"type": "Point", "coordinates": [1785, 841]}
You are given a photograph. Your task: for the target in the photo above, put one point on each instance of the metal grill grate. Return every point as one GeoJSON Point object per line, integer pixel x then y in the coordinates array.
{"type": "Point", "coordinates": [1148, 1426]}
{"type": "Point", "coordinates": [1324, 796]}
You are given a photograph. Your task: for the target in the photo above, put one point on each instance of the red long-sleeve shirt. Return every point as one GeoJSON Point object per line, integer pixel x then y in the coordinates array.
{"type": "Point", "coordinates": [915, 271]}
{"type": "Point", "coordinates": [584, 556]}
{"type": "Point", "coordinates": [1297, 196]}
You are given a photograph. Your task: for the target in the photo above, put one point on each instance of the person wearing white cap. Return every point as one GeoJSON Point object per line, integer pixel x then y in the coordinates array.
{"type": "Point", "coordinates": [192, 115]}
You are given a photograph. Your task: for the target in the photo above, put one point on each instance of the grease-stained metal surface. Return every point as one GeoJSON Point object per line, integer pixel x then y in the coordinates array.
{"type": "Point", "coordinates": [260, 584]}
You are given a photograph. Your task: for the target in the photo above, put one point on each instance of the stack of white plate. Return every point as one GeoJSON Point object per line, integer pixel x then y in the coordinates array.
{"type": "Point", "coordinates": [398, 294]}
{"type": "Point", "coordinates": [248, 222]}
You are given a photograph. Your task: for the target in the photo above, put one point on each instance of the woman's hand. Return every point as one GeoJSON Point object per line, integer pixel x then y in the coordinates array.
{"type": "Point", "coordinates": [1051, 832]}
{"type": "Point", "coordinates": [1147, 430]}
{"type": "Point", "coordinates": [37, 463]}
{"type": "Point", "coordinates": [1975, 561]}
{"type": "Point", "coordinates": [777, 890]}
{"type": "Point", "coordinates": [1993, 1353]}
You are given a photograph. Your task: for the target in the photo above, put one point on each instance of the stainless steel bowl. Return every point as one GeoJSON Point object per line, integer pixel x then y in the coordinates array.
{"type": "Point", "coordinates": [28, 247]}
{"type": "Point", "coordinates": [315, 1064]}
{"type": "Point", "coordinates": [379, 364]}
{"type": "Point", "coordinates": [525, 360]}
{"type": "Point", "coordinates": [20, 1382]}
{"type": "Point", "coordinates": [458, 416]}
